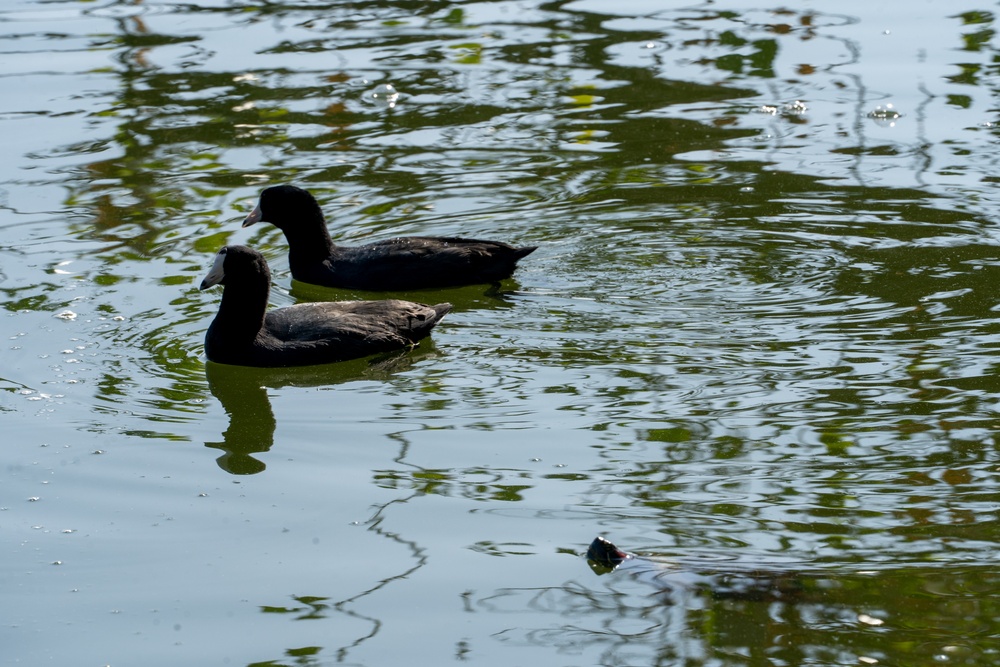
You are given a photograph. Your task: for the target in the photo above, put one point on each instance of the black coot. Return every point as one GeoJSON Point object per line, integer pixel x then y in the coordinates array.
{"type": "Point", "coordinates": [403, 263]}
{"type": "Point", "coordinates": [244, 334]}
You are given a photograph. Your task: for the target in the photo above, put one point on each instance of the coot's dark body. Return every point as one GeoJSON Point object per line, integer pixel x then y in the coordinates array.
{"type": "Point", "coordinates": [244, 334]}
{"type": "Point", "coordinates": [403, 263]}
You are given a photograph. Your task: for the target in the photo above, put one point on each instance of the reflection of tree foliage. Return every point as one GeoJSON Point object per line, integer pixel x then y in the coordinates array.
{"type": "Point", "coordinates": [477, 483]}
{"type": "Point", "coordinates": [539, 111]}
{"type": "Point", "coordinates": [162, 185]}
{"type": "Point", "coordinates": [176, 119]}
{"type": "Point", "coordinates": [297, 657]}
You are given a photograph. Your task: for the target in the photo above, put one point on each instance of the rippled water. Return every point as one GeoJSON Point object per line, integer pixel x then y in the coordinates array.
{"type": "Point", "coordinates": [761, 326]}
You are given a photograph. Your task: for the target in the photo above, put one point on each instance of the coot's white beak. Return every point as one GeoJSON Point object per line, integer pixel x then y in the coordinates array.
{"type": "Point", "coordinates": [217, 272]}
{"type": "Point", "coordinates": [255, 216]}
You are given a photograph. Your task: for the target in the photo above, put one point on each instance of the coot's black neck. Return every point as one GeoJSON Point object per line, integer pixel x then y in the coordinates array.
{"type": "Point", "coordinates": [241, 313]}
{"type": "Point", "coordinates": [309, 241]}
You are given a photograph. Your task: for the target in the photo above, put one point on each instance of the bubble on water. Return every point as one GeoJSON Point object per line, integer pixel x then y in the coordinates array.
{"type": "Point", "coordinates": [67, 315]}
{"type": "Point", "coordinates": [33, 499]}
{"type": "Point", "coordinates": [796, 108]}
{"type": "Point", "coordinates": [885, 115]}
{"type": "Point", "coordinates": [888, 111]}
{"type": "Point", "coordinates": [955, 653]}
{"type": "Point", "coordinates": [383, 95]}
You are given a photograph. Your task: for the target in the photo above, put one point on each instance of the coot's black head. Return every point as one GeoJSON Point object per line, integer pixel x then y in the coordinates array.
{"type": "Point", "coordinates": [285, 205]}
{"type": "Point", "coordinates": [237, 264]}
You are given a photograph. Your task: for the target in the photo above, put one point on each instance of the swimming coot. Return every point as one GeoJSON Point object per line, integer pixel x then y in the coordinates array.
{"type": "Point", "coordinates": [243, 334]}
{"type": "Point", "coordinates": [403, 263]}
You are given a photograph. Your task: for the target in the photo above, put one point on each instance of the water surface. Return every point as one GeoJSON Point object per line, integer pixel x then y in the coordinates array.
{"type": "Point", "coordinates": [761, 326]}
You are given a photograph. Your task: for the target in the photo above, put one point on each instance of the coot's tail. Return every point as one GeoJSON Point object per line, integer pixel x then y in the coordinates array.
{"type": "Point", "coordinates": [441, 309]}
{"type": "Point", "coordinates": [524, 251]}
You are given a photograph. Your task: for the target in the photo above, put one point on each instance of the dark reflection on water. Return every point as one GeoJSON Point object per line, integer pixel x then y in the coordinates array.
{"type": "Point", "coordinates": [251, 419]}
{"type": "Point", "coordinates": [477, 297]}
{"type": "Point", "coordinates": [242, 392]}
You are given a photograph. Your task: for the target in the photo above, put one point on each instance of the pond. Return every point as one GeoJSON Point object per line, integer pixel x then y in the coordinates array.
{"type": "Point", "coordinates": [761, 328]}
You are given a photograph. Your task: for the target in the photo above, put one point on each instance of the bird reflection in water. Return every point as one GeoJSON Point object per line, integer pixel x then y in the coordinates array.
{"type": "Point", "coordinates": [243, 394]}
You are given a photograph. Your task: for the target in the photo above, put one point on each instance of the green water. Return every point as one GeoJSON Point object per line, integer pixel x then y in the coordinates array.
{"type": "Point", "coordinates": [761, 327]}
